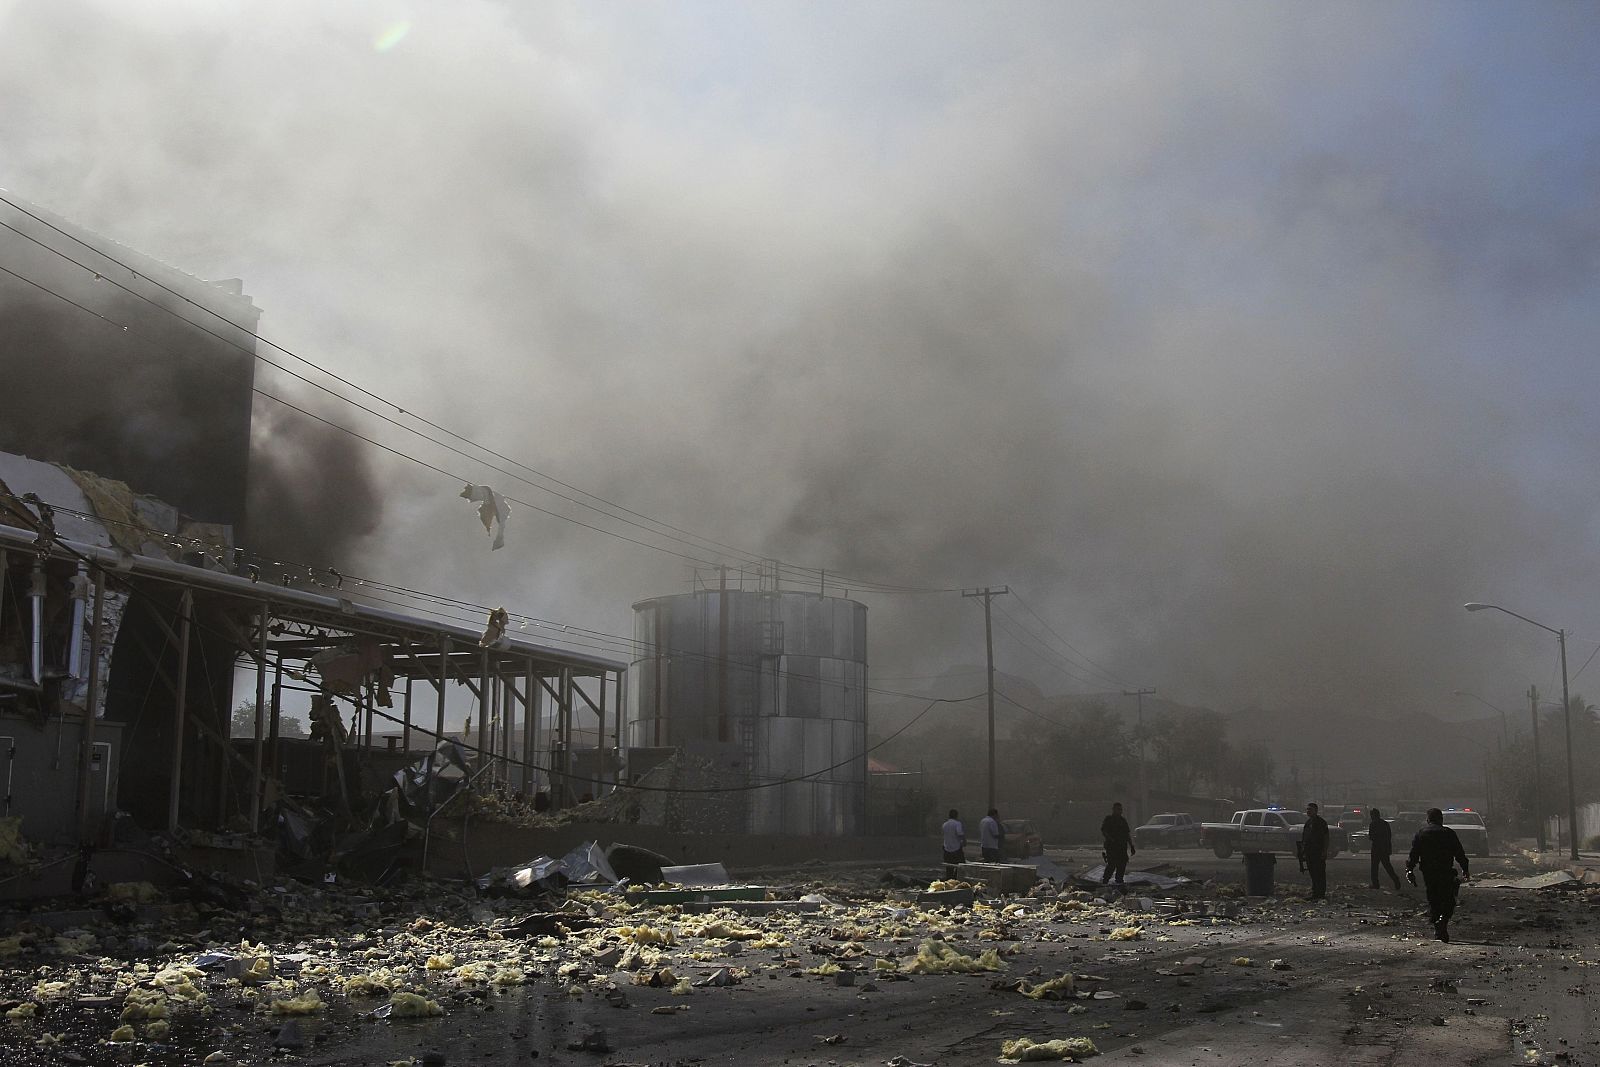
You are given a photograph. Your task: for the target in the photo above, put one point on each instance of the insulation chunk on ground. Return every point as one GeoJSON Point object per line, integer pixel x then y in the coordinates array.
{"type": "Point", "coordinates": [307, 1003]}
{"type": "Point", "coordinates": [1024, 1049]}
{"type": "Point", "coordinates": [936, 957]}
{"type": "Point", "coordinates": [404, 1005]}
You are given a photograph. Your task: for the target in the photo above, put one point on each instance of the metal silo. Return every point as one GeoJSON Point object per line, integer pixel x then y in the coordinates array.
{"type": "Point", "coordinates": [781, 675]}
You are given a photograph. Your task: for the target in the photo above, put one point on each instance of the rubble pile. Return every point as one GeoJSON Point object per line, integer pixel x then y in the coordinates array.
{"type": "Point", "coordinates": [296, 959]}
{"type": "Point", "coordinates": [285, 968]}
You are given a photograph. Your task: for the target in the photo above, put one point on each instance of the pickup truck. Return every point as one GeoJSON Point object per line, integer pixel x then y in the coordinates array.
{"type": "Point", "coordinates": [1170, 830]}
{"type": "Point", "coordinates": [1264, 830]}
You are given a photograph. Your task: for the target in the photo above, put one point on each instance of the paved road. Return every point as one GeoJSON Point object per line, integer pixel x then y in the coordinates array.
{"type": "Point", "coordinates": [1343, 870]}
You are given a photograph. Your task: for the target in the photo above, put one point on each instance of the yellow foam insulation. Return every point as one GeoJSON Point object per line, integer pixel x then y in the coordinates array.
{"type": "Point", "coordinates": [51, 990]}
{"type": "Point", "coordinates": [1062, 1048]}
{"type": "Point", "coordinates": [1243, 961]}
{"type": "Point", "coordinates": [48, 1040]}
{"type": "Point", "coordinates": [719, 928]}
{"type": "Point", "coordinates": [471, 973]}
{"type": "Point", "coordinates": [403, 1005]}
{"type": "Point", "coordinates": [179, 982]}
{"type": "Point", "coordinates": [73, 942]}
{"type": "Point", "coordinates": [307, 1003]}
{"type": "Point", "coordinates": [441, 963]}
{"type": "Point", "coordinates": [13, 849]}
{"type": "Point", "coordinates": [1061, 988]}
{"type": "Point", "coordinates": [948, 883]}
{"type": "Point", "coordinates": [826, 967]}
{"type": "Point", "coordinates": [645, 935]}
{"type": "Point", "coordinates": [509, 976]}
{"type": "Point", "coordinates": [122, 1035]}
{"type": "Point", "coordinates": [936, 957]}
{"type": "Point", "coordinates": [377, 983]}
{"type": "Point", "coordinates": [157, 1031]}
{"type": "Point", "coordinates": [260, 970]}
{"type": "Point", "coordinates": [132, 892]}
{"type": "Point", "coordinates": [144, 1004]}
{"type": "Point", "coordinates": [21, 1013]}
{"type": "Point", "coordinates": [683, 988]}
{"type": "Point", "coordinates": [1125, 933]}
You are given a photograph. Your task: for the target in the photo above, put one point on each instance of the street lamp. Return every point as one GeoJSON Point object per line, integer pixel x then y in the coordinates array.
{"type": "Point", "coordinates": [1505, 734]}
{"type": "Point", "coordinates": [1566, 716]}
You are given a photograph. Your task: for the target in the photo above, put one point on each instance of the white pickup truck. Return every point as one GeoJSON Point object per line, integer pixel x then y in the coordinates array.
{"type": "Point", "coordinates": [1264, 830]}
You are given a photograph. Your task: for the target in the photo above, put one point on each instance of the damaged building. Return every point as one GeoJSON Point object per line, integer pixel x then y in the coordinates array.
{"type": "Point", "coordinates": [131, 609]}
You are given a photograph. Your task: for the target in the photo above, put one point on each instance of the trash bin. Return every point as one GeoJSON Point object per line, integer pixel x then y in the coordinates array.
{"type": "Point", "coordinates": [1258, 873]}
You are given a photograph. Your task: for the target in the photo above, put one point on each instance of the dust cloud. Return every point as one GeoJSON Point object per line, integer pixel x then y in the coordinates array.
{"type": "Point", "coordinates": [1245, 345]}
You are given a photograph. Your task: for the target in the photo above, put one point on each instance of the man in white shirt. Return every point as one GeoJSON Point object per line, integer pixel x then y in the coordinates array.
{"type": "Point", "coordinates": [990, 835]}
{"type": "Point", "coordinates": [955, 843]}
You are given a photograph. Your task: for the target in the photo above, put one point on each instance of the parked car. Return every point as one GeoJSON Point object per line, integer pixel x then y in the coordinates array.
{"type": "Point", "coordinates": [1264, 830]}
{"type": "Point", "coordinates": [1406, 824]}
{"type": "Point", "coordinates": [1354, 821]}
{"type": "Point", "coordinates": [1021, 840]}
{"type": "Point", "coordinates": [1172, 830]}
{"type": "Point", "coordinates": [1470, 828]}
{"type": "Point", "coordinates": [1361, 840]}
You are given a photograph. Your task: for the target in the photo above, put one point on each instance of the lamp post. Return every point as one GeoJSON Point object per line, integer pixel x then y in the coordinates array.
{"type": "Point", "coordinates": [1505, 733]}
{"type": "Point", "coordinates": [1566, 717]}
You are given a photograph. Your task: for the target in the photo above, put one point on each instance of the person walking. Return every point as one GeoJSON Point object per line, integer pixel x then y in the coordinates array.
{"type": "Point", "coordinates": [1118, 839]}
{"type": "Point", "coordinates": [955, 843]}
{"type": "Point", "coordinates": [1314, 850]}
{"type": "Point", "coordinates": [1380, 839]}
{"type": "Point", "coordinates": [990, 836]}
{"type": "Point", "coordinates": [1437, 850]}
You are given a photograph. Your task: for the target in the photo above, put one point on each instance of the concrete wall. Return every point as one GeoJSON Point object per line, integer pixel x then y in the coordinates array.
{"type": "Point", "coordinates": [497, 844]}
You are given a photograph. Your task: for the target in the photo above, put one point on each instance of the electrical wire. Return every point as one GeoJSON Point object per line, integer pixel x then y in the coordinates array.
{"type": "Point", "coordinates": [1091, 664]}
{"type": "Point", "coordinates": [1042, 651]}
{"type": "Point", "coordinates": [43, 530]}
{"type": "Point", "coordinates": [745, 556]}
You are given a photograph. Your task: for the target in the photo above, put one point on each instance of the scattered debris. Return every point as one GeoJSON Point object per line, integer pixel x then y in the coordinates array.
{"type": "Point", "coordinates": [1025, 1049]}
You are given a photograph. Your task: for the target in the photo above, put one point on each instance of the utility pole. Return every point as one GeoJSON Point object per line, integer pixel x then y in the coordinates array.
{"type": "Point", "coordinates": [1538, 768]}
{"type": "Point", "coordinates": [988, 645]}
{"type": "Point", "coordinates": [1144, 782]}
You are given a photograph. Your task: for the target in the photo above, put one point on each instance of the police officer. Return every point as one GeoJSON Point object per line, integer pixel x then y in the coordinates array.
{"type": "Point", "coordinates": [1314, 851]}
{"type": "Point", "coordinates": [1381, 842]}
{"type": "Point", "coordinates": [1437, 849]}
{"type": "Point", "coordinates": [1118, 838]}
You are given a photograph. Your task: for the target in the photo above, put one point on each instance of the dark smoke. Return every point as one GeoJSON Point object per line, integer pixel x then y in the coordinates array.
{"type": "Point", "coordinates": [145, 388]}
{"type": "Point", "coordinates": [313, 492]}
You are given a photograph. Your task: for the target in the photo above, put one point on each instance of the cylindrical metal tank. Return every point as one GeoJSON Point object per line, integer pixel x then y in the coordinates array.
{"type": "Point", "coordinates": [783, 676]}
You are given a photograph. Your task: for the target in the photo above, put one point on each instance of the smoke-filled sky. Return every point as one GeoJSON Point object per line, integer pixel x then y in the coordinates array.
{"type": "Point", "coordinates": [1243, 342]}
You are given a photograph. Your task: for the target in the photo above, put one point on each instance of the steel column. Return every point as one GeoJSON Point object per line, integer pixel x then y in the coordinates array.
{"type": "Point", "coordinates": [180, 711]}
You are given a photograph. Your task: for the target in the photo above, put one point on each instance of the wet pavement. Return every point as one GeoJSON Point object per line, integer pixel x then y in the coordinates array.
{"type": "Point", "coordinates": [1194, 976]}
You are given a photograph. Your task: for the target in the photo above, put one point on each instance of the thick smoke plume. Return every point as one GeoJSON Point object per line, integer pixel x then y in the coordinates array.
{"type": "Point", "coordinates": [111, 367]}
{"type": "Point", "coordinates": [1245, 346]}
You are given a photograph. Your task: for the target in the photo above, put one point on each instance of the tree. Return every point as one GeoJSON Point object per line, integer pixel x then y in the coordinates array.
{"type": "Point", "coordinates": [1248, 773]}
{"type": "Point", "coordinates": [244, 722]}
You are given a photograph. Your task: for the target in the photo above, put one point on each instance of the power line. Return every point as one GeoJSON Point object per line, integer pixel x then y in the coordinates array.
{"type": "Point", "coordinates": [1069, 645]}
{"type": "Point", "coordinates": [43, 530]}
{"type": "Point", "coordinates": [744, 555]}
{"type": "Point", "coordinates": [1039, 649]}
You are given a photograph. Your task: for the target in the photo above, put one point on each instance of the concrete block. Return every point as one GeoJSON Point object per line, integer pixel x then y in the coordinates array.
{"type": "Point", "coordinates": [999, 877]}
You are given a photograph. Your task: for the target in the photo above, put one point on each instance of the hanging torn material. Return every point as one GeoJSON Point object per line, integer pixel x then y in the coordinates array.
{"type": "Point", "coordinates": [494, 635]}
{"type": "Point", "coordinates": [492, 510]}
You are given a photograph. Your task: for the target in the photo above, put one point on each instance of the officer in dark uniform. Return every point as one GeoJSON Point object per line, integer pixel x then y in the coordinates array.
{"type": "Point", "coordinates": [1437, 849]}
{"type": "Point", "coordinates": [1314, 851]}
{"type": "Point", "coordinates": [1118, 838]}
{"type": "Point", "coordinates": [1380, 838]}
